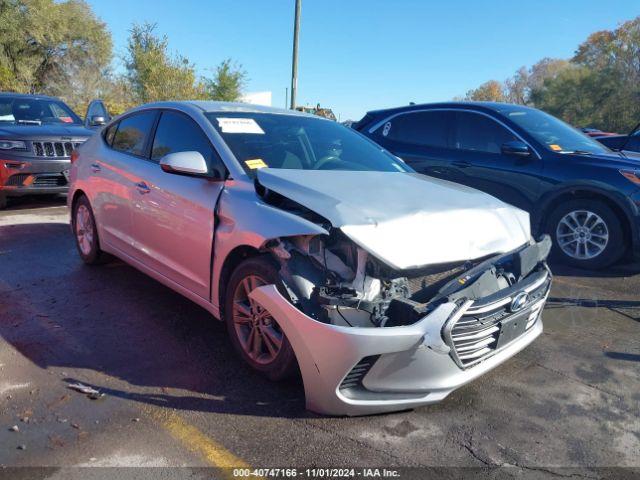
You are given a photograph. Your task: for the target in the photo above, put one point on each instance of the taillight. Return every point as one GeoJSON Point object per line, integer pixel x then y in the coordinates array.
{"type": "Point", "coordinates": [74, 156]}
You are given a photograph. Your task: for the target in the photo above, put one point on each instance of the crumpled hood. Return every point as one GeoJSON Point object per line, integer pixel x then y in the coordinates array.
{"type": "Point", "coordinates": [407, 220]}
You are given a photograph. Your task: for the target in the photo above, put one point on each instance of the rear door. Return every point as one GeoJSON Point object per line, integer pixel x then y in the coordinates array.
{"type": "Point", "coordinates": [478, 139]}
{"type": "Point", "coordinates": [111, 180]}
{"type": "Point", "coordinates": [173, 215]}
{"type": "Point", "coordinates": [422, 139]}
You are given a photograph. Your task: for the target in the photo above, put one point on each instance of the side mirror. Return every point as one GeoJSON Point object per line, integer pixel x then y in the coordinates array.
{"type": "Point", "coordinates": [517, 148]}
{"type": "Point", "coordinates": [97, 120]}
{"type": "Point", "coordinates": [184, 163]}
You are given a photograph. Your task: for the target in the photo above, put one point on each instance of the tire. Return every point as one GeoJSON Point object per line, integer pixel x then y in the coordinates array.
{"type": "Point", "coordinates": [86, 233]}
{"type": "Point", "coordinates": [3, 201]}
{"type": "Point", "coordinates": [246, 318]}
{"type": "Point", "coordinates": [591, 227]}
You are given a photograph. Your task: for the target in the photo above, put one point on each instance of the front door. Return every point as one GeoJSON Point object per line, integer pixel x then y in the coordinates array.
{"type": "Point", "coordinates": [478, 141]}
{"type": "Point", "coordinates": [174, 215]}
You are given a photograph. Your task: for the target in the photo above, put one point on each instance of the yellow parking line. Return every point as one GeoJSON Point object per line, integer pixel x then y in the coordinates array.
{"type": "Point", "coordinates": [193, 439]}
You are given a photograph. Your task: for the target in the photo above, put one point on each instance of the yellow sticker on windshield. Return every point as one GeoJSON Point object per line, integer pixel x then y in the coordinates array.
{"type": "Point", "coordinates": [255, 163]}
{"type": "Point", "coordinates": [555, 148]}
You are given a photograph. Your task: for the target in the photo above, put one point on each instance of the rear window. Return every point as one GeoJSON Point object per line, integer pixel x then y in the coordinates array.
{"type": "Point", "coordinates": [133, 132]}
{"type": "Point", "coordinates": [418, 128]}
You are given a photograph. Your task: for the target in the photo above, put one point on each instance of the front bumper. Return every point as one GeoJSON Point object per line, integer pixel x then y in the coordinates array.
{"type": "Point", "coordinates": [360, 371]}
{"type": "Point", "coordinates": [28, 176]}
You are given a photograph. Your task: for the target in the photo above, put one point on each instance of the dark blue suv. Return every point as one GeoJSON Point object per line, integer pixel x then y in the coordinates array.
{"type": "Point", "coordinates": [576, 189]}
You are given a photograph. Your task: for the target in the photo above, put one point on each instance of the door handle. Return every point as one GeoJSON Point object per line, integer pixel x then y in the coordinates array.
{"type": "Point", "coordinates": [142, 188]}
{"type": "Point", "coordinates": [461, 164]}
{"type": "Point", "coordinates": [95, 168]}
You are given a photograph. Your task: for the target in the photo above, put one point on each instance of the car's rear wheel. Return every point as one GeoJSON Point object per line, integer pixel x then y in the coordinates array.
{"type": "Point", "coordinates": [254, 332]}
{"type": "Point", "coordinates": [3, 201]}
{"type": "Point", "coordinates": [587, 234]}
{"type": "Point", "coordinates": [86, 233]}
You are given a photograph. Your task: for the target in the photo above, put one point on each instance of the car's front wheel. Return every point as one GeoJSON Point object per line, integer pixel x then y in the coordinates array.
{"type": "Point", "coordinates": [587, 234]}
{"type": "Point", "coordinates": [86, 233]}
{"type": "Point", "coordinates": [254, 332]}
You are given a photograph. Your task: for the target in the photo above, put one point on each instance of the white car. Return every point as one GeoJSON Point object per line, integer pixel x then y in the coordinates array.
{"type": "Point", "coordinates": [321, 251]}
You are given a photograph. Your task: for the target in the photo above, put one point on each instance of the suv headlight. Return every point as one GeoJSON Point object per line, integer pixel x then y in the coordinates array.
{"type": "Point", "coordinates": [12, 145]}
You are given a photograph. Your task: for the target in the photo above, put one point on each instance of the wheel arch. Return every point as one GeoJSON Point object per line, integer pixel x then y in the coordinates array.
{"type": "Point", "coordinates": [576, 192]}
{"type": "Point", "coordinates": [231, 261]}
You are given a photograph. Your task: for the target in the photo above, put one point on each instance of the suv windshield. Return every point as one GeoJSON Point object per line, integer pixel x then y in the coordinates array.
{"type": "Point", "coordinates": [298, 142]}
{"type": "Point", "coordinates": [553, 133]}
{"type": "Point", "coordinates": [35, 111]}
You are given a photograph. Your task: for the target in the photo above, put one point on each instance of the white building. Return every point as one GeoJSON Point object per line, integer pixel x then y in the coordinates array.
{"type": "Point", "coordinates": [257, 98]}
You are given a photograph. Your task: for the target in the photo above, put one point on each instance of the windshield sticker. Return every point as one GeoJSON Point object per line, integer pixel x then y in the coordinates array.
{"type": "Point", "coordinates": [386, 128]}
{"type": "Point", "coordinates": [255, 163]}
{"type": "Point", "coordinates": [555, 148]}
{"type": "Point", "coordinates": [239, 125]}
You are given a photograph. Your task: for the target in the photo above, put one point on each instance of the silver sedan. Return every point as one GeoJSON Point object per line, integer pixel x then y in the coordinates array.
{"type": "Point", "coordinates": [322, 252]}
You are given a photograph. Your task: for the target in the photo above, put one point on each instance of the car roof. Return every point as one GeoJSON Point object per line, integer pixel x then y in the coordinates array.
{"type": "Point", "coordinates": [210, 106]}
{"type": "Point", "coordinates": [497, 107]}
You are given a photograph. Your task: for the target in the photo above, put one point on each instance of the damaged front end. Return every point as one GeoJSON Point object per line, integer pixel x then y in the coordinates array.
{"type": "Point", "coordinates": [371, 338]}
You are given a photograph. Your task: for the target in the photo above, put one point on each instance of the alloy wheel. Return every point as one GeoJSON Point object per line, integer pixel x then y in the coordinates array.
{"type": "Point", "coordinates": [85, 232]}
{"type": "Point", "coordinates": [259, 334]}
{"type": "Point", "coordinates": [582, 234]}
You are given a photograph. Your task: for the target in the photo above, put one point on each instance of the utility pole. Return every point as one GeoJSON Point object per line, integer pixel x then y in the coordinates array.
{"type": "Point", "coordinates": [294, 62]}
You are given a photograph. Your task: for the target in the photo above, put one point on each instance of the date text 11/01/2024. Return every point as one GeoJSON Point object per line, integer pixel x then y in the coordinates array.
{"type": "Point", "coordinates": [316, 472]}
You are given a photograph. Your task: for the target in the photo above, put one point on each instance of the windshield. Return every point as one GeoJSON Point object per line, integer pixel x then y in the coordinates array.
{"type": "Point", "coordinates": [35, 111]}
{"type": "Point", "coordinates": [553, 133]}
{"type": "Point", "coordinates": [298, 142]}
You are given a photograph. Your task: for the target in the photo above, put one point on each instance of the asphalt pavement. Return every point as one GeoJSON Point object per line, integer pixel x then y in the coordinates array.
{"type": "Point", "coordinates": [176, 395]}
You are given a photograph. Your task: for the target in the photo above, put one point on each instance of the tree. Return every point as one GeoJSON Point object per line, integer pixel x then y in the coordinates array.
{"type": "Point", "coordinates": [491, 91]}
{"type": "Point", "coordinates": [156, 75]}
{"type": "Point", "coordinates": [228, 82]}
{"type": "Point", "coordinates": [43, 43]}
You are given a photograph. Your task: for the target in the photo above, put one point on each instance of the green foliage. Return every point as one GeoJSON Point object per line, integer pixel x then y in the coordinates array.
{"type": "Point", "coordinates": [42, 43]}
{"type": "Point", "coordinates": [227, 83]}
{"type": "Point", "coordinates": [156, 75]}
{"type": "Point", "coordinates": [599, 87]}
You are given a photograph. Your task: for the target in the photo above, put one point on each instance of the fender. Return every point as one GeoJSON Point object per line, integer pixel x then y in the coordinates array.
{"type": "Point", "coordinates": [234, 228]}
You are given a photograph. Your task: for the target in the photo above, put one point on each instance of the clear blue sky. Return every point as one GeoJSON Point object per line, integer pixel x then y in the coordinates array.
{"type": "Point", "coordinates": [358, 55]}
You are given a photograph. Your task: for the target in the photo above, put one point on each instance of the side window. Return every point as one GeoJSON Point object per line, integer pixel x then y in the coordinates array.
{"type": "Point", "coordinates": [178, 133]}
{"type": "Point", "coordinates": [418, 128]}
{"type": "Point", "coordinates": [133, 131]}
{"type": "Point", "coordinates": [479, 133]}
{"type": "Point", "coordinates": [109, 133]}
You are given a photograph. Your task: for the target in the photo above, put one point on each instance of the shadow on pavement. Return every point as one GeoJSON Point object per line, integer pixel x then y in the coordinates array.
{"type": "Point", "coordinates": [631, 357]}
{"type": "Point", "coordinates": [124, 333]}
{"type": "Point", "coordinates": [34, 201]}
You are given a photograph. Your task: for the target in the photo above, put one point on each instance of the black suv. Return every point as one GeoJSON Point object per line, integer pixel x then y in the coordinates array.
{"type": "Point", "coordinates": [585, 195]}
{"type": "Point", "coordinates": [37, 135]}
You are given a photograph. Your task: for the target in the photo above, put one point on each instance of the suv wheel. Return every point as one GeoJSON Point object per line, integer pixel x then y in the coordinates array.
{"type": "Point", "coordinates": [86, 233]}
{"type": "Point", "coordinates": [586, 234]}
{"type": "Point", "coordinates": [254, 333]}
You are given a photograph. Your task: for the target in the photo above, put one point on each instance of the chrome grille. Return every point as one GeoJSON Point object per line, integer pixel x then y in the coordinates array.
{"type": "Point", "coordinates": [54, 149]}
{"type": "Point", "coordinates": [476, 334]}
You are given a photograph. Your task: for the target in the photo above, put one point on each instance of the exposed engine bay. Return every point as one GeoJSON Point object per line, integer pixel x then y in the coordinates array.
{"type": "Point", "coordinates": [334, 281]}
